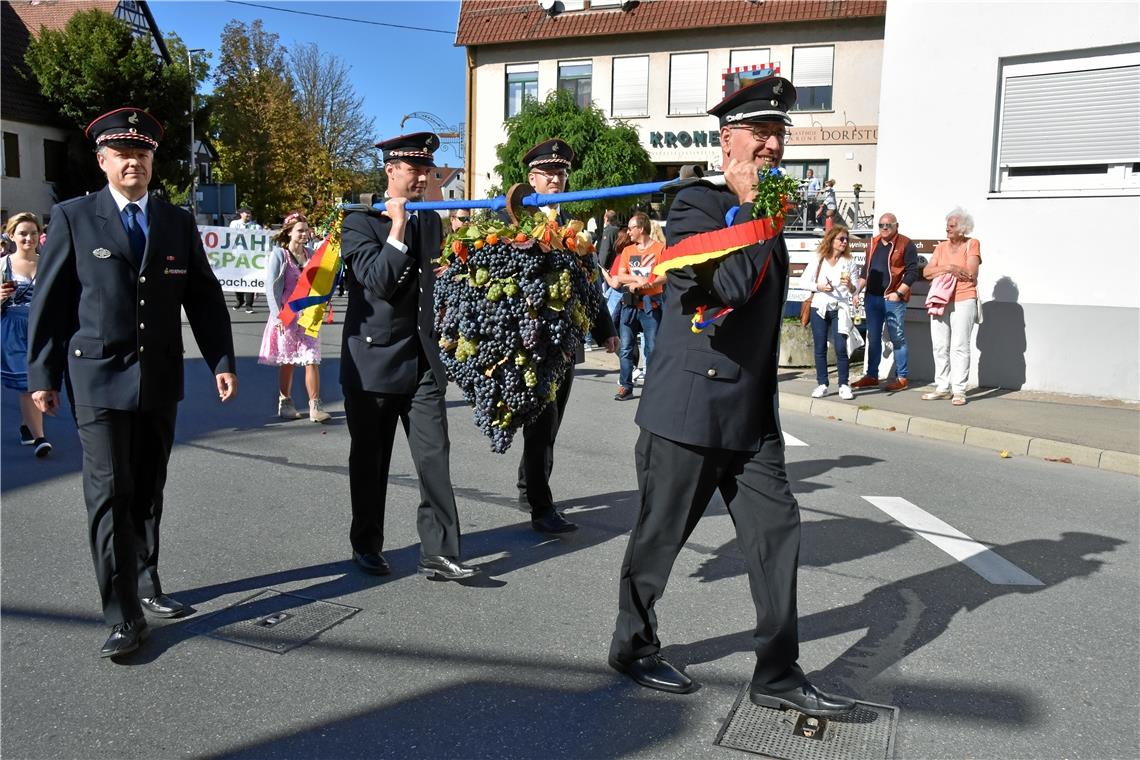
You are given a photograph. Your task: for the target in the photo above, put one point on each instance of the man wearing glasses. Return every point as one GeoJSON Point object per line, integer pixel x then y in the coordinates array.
{"type": "Point", "coordinates": [709, 420]}
{"type": "Point", "coordinates": [548, 164]}
{"type": "Point", "coordinates": [888, 273]}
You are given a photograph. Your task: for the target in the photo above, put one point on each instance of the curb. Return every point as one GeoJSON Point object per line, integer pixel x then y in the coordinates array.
{"type": "Point", "coordinates": [978, 437]}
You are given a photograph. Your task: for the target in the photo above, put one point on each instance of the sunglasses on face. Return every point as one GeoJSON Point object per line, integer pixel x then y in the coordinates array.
{"type": "Point", "coordinates": [463, 218]}
{"type": "Point", "coordinates": [886, 225]}
{"type": "Point", "coordinates": [842, 240]}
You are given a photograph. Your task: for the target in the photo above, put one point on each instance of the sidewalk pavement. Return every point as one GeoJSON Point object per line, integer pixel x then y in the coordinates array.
{"type": "Point", "coordinates": [1080, 430]}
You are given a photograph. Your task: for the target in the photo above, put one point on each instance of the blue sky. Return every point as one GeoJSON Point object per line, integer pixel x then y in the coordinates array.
{"type": "Point", "coordinates": [398, 71]}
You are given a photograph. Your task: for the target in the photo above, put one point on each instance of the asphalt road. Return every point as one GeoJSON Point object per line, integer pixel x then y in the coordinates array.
{"type": "Point", "coordinates": [515, 666]}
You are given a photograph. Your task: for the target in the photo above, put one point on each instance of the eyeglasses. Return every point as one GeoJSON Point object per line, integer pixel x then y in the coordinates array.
{"type": "Point", "coordinates": [842, 240]}
{"type": "Point", "coordinates": [764, 133]}
{"type": "Point", "coordinates": [560, 174]}
{"type": "Point", "coordinates": [886, 225]}
{"type": "Point", "coordinates": [463, 218]}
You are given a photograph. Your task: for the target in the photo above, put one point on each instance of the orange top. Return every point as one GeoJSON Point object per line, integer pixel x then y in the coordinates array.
{"type": "Point", "coordinates": [947, 253]}
{"type": "Point", "coordinates": [632, 258]}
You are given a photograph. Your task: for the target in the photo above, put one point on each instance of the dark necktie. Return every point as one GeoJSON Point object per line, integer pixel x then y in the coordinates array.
{"type": "Point", "coordinates": [134, 232]}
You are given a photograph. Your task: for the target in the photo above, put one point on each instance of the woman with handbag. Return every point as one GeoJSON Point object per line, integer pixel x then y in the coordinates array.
{"type": "Point", "coordinates": [832, 279]}
{"type": "Point", "coordinates": [950, 332]}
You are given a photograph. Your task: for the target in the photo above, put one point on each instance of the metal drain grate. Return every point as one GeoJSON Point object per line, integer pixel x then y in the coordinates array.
{"type": "Point", "coordinates": [274, 620]}
{"type": "Point", "coordinates": [867, 733]}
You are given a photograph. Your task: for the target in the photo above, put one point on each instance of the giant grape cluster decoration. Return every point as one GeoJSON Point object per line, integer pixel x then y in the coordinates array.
{"type": "Point", "coordinates": [513, 304]}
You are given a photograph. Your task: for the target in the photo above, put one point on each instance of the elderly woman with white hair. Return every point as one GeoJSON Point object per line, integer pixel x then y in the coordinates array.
{"type": "Point", "coordinates": [959, 256]}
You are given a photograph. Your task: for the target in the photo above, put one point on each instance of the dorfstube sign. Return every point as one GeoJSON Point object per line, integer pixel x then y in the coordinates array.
{"type": "Point", "coordinates": [866, 134]}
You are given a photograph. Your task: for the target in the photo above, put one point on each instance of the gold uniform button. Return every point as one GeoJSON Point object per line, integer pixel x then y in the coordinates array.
{"type": "Point", "coordinates": [142, 280]}
{"type": "Point", "coordinates": [711, 372]}
{"type": "Point", "coordinates": [78, 352]}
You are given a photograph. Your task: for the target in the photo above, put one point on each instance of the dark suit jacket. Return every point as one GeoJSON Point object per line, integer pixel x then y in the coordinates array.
{"type": "Point", "coordinates": [116, 328]}
{"type": "Point", "coordinates": [717, 388]}
{"type": "Point", "coordinates": [390, 320]}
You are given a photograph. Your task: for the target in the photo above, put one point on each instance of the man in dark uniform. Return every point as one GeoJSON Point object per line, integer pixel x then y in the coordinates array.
{"type": "Point", "coordinates": [390, 368]}
{"type": "Point", "coordinates": [118, 269]}
{"type": "Point", "coordinates": [548, 164]}
{"type": "Point", "coordinates": [709, 420]}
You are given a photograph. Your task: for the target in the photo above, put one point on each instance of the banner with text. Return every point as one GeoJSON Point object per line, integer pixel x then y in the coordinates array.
{"type": "Point", "coordinates": [239, 258]}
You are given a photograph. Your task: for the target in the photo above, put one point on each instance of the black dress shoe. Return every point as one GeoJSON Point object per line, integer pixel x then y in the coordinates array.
{"type": "Point", "coordinates": [655, 672]}
{"type": "Point", "coordinates": [125, 638]}
{"type": "Point", "coordinates": [372, 563]}
{"type": "Point", "coordinates": [552, 522]}
{"type": "Point", "coordinates": [445, 569]}
{"type": "Point", "coordinates": [806, 698]}
{"type": "Point", "coordinates": [163, 606]}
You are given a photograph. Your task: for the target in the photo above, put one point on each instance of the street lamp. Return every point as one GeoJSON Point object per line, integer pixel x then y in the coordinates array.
{"type": "Point", "coordinates": [193, 164]}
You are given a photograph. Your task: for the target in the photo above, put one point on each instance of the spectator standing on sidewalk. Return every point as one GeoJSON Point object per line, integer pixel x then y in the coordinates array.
{"type": "Point", "coordinates": [950, 332]}
{"type": "Point", "coordinates": [607, 251]}
{"type": "Point", "coordinates": [833, 278]}
{"type": "Point", "coordinates": [641, 300]}
{"type": "Point", "coordinates": [244, 221]}
{"type": "Point", "coordinates": [811, 192]}
{"type": "Point", "coordinates": [19, 269]}
{"type": "Point", "coordinates": [889, 270]}
{"type": "Point", "coordinates": [289, 346]}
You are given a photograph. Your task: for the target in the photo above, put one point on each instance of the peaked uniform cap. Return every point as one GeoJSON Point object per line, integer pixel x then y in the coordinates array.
{"type": "Point", "coordinates": [769, 99]}
{"type": "Point", "coordinates": [555, 154]}
{"type": "Point", "coordinates": [417, 148]}
{"type": "Point", "coordinates": [125, 128]}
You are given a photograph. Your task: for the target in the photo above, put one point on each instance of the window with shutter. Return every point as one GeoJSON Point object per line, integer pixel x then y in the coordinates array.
{"type": "Point", "coordinates": [1092, 142]}
{"type": "Point", "coordinates": [748, 58]}
{"type": "Point", "coordinates": [631, 86]}
{"type": "Point", "coordinates": [812, 69]}
{"type": "Point", "coordinates": [688, 83]}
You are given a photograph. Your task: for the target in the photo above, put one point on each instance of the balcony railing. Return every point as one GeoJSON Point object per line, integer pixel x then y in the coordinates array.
{"type": "Point", "coordinates": [856, 213]}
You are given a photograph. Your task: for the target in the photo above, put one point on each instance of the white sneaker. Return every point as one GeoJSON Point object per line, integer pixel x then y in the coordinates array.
{"type": "Point", "coordinates": [637, 374]}
{"type": "Point", "coordinates": [845, 393]}
{"type": "Point", "coordinates": [819, 392]}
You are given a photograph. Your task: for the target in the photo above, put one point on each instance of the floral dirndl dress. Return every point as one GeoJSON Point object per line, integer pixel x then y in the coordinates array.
{"type": "Point", "coordinates": [290, 344]}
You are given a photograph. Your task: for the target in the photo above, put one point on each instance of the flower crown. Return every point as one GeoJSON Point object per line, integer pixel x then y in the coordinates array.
{"type": "Point", "coordinates": [296, 216]}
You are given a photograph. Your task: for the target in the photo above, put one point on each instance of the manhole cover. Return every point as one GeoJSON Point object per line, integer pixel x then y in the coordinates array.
{"type": "Point", "coordinates": [274, 620]}
{"type": "Point", "coordinates": [867, 733]}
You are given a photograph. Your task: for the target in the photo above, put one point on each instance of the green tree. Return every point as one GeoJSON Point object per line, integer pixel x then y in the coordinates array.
{"type": "Point", "coordinates": [264, 146]}
{"type": "Point", "coordinates": [606, 155]}
{"type": "Point", "coordinates": [328, 103]}
{"type": "Point", "coordinates": [94, 65]}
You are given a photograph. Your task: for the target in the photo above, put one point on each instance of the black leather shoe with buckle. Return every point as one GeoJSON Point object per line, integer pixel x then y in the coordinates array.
{"type": "Point", "coordinates": [372, 563]}
{"type": "Point", "coordinates": [806, 698]}
{"type": "Point", "coordinates": [125, 638]}
{"type": "Point", "coordinates": [439, 568]}
{"type": "Point", "coordinates": [654, 672]}
{"type": "Point", "coordinates": [163, 606]}
{"type": "Point", "coordinates": [552, 522]}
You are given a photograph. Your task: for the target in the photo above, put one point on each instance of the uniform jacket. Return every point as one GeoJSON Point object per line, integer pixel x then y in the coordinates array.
{"type": "Point", "coordinates": [115, 327]}
{"type": "Point", "coordinates": [717, 388]}
{"type": "Point", "coordinates": [389, 322]}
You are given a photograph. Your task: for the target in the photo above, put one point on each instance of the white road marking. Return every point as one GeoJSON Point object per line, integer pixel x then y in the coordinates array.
{"type": "Point", "coordinates": [983, 561]}
{"type": "Point", "coordinates": [791, 440]}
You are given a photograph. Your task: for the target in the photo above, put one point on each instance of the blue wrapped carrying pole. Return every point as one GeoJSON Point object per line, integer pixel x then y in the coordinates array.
{"type": "Point", "coordinates": [535, 200]}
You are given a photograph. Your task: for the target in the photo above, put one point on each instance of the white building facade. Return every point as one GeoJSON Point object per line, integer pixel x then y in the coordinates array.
{"type": "Point", "coordinates": [663, 82]}
{"type": "Point", "coordinates": [1028, 116]}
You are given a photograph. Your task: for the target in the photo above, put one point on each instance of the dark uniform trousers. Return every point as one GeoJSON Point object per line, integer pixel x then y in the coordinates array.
{"type": "Point", "coordinates": [124, 471]}
{"type": "Point", "coordinates": [538, 450]}
{"type": "Point", "coordinates": [372, 421]}
{"type": "Point", "coordinates": [676, 481]}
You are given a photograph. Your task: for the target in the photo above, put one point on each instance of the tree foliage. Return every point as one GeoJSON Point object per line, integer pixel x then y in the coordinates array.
{"type": "Point", "coordinates": [264, 145]}
{"type": "Point", "coordinates": [94, 65]}
{"type": "Point", "coordinates": [606, 155]}
{"type": "Point", "coordinates": [328, 103]}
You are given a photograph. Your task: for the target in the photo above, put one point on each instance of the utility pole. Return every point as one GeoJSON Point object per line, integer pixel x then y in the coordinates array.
{"type": "Point", "coordinates": [193, 155]}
